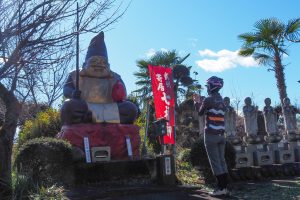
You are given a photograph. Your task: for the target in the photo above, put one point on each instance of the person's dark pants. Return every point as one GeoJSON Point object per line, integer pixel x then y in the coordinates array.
{"type": "Point", "coordinates": [215, 148]}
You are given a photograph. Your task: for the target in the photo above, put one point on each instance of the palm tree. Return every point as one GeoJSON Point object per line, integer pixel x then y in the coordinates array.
{"type": "Point", "coordinates": [181, 73]}
{"type": "Point", "coordinates": [268, 43]}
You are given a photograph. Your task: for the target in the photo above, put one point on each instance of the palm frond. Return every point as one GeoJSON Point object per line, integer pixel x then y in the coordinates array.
{"type": "Point", "coordinates": [248, 38]}
{"type": "Point", "coordinates": [141, 74]}
{"type": "Point", "coordinates": [293, 29]}
{"type": "Point", "coordinates": [246, 52]}
{"type": "Point", "coordinates": [262, 59]}
{"type": "Point", "coordinates": [143, 82]}
{"type": "Point", "coordinates": [181, 90]}
{"type": "Point", "coordinates": [164, 58]}
{"type": "Point", "coordinates": [142, 64]}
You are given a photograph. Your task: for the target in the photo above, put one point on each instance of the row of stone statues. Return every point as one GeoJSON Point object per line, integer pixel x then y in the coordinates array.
{"type": "Point", "coordinates": [250, 113]}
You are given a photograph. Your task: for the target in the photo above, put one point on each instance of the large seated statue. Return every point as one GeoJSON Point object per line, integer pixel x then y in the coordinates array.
{"type": "Point", "coordinates": [102, 89]}
{"type": "Point", "coordinates": [97, 110]}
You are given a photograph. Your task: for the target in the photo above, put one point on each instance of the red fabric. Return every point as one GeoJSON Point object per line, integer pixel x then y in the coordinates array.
{"type": "Point", "coordinates": [112, 135]}
{"type": "Point", "coordinates": [164, 100]}
{"type": "Point", "coordinates": [118, 92]}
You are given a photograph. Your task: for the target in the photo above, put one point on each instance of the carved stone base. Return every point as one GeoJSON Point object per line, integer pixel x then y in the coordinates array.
{"type": "Point", "coordinates": [296, 146]}
{"type": "Point", "coordinates": [286, 156]}
{"type": "Point", "coordinates": [243, 160]}
{"type": "Point", "coordinates": [283, 153]}
{"type": "Point", "coordinates": [261, 158]}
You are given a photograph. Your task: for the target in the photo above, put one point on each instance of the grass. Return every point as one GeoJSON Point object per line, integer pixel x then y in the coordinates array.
{"type": "Point", "coordinates": [50, 193]}
{"type": "Point", "coordinates": [287, 188]}
{"type": "Point", "coordinates": [24, 188]}
{"type": "Point", "coordinates": [283, 189]}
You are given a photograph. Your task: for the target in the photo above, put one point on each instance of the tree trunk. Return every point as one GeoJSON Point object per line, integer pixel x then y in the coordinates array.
{"type": "Point", "coordinates": [279, 75]}
{"type": "Point", "coordinates": [7, 133]}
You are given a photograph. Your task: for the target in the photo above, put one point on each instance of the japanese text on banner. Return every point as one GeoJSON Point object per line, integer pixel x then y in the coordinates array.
{"type": "Point", "coordinates": [164, 102]}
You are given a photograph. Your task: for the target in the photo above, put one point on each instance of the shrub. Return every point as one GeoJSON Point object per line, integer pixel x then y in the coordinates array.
{"type": "Point", "coordinates": [184, 155]}
{"type": "Point", "coordinates": [22, 186]}
{"type": "Point", "coordinates": [46, 161]}
{"type": "Point", "coordinates": [46, 124]}
{"type": "Point", "coordinates": [199, 158]}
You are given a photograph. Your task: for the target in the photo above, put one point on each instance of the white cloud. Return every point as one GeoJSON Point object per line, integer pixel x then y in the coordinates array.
{"type": "Point", "coordinates": [150, 53]}
{"type": "Point", "coordinates": [223, 60]}
{"type": "Point", "coordinates": [193, 41]}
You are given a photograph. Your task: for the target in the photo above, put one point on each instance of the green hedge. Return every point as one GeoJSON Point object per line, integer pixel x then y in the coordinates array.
{"type": "Point", "coordinates": [46, 124]}
{"type": "Point", "coordinates": [46, 161]}
{"type": "Point", "coordinates": [199, 158]}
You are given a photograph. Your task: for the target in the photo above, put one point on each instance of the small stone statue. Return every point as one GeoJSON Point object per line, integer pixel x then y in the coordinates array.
{"type": "Point", "coordinates": [270, 117]}
{"type": "Point", "coordinates": [201, 125]}
{"type": "Point", "coordinates": [250, 117]}
{"type": "Point", "coordinates": [289, 115]}
{"type": "Point", "coordinates": [230, 119]}
{"type": "Point", "coordinates": [201, 119]}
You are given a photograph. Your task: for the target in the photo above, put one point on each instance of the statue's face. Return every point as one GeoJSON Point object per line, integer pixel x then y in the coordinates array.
{"type": "Point", "coordinates": [226, 101]}
{"type": "Point", "coordinates": [98, 65]}
{"type": "Point", "coordinates": [268, 101]}
{"type": "Point", "coordinates": [286, 101]}
{"type": "Point", "coordinates": [248, 101]}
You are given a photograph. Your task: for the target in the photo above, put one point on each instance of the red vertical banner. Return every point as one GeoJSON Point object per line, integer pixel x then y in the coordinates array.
{"type": "Point", "coordinates": [164, 100]}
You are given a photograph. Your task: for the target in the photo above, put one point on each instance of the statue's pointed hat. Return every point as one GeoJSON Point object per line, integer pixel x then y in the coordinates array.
{"type": "Point", "coordinates": [97, 47]}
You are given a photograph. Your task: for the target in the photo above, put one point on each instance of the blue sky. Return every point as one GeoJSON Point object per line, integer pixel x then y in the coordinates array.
{"type": "Point", "coordinates": [208, 30]}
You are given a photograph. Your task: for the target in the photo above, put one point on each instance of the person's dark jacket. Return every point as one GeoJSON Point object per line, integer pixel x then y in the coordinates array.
{"type": "Point", "coordinates": [214, 109]}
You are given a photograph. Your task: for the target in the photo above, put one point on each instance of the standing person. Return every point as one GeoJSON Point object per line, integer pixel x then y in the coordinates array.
{"type": "Point", "coordinates": [214, 108]}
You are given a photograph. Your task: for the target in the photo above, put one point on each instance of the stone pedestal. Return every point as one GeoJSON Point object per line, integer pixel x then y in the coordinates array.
{"type": "Point", "coordinates": [296, 147]}
{"type": "Point", "coordinates": [243, 158]}
{"type": "Point", "coordinates": [283, 153]}
{"type": "Point", "coordinates": [262, 155]}
{"type": "Point", "coordinates": [113, 136]}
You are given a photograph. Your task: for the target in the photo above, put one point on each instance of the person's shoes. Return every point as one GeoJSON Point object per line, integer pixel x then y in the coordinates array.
{"type": "Point", "coordinates": [219, 192]}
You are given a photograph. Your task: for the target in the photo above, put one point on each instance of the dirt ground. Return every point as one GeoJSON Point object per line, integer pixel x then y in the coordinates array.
{"type": "Point", "coordinates": [275, 189]}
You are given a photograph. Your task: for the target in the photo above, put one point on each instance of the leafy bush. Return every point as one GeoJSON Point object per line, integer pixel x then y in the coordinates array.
{"type": "Point", "coordinates": [187, 174]}
{"type": "Point", "coordinates": [46, 161]}
{"type": "Point", "coordinates": [199, 158]}
{"type": "Point", "coordinates": [46, 124]}
{"type": "Point", "coordinates": [184, 155]}
{"type": "Point", "coordinates": [152, 143]}
{"type": "Point", "coordinates": [24, 188]}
